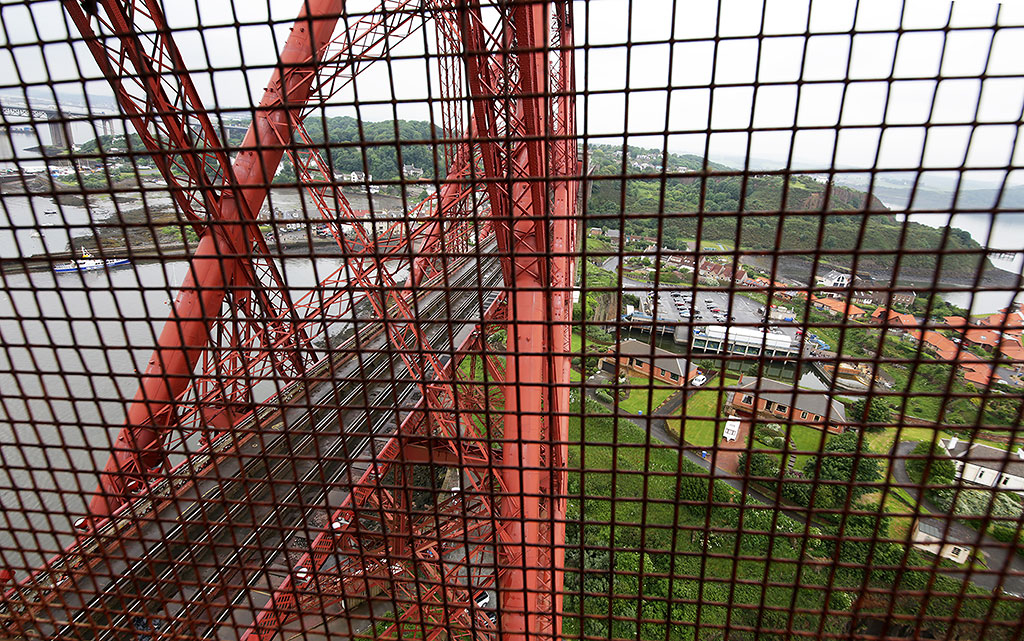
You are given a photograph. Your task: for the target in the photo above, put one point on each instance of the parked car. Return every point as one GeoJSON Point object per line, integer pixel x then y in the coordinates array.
{"type": "Point", "coordinates": [699, 380]}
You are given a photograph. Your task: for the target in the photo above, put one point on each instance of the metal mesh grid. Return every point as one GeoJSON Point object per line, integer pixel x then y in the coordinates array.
{"type": "Point", "coordinates": [341, 325]}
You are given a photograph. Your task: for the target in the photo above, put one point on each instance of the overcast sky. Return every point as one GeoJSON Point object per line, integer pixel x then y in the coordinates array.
{"type": "Point", "coordinates": [671, 83]}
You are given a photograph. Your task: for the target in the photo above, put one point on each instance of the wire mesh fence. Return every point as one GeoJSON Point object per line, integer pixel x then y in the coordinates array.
{"type": "Point", "coordinates": [421, 319]}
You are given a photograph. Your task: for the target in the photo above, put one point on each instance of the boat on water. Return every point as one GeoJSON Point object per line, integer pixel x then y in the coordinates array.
{"type": "Point", "coordinates": [88, 262]}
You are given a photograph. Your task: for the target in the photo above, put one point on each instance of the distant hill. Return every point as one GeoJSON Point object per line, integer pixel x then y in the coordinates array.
{"type": "Point", "coordinates": [346, 140]}
{"type": "Point", "coordinates": [760, 227]}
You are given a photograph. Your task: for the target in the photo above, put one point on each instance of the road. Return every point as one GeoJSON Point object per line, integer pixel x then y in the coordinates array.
{"type": "Point", "coordinates": [205, 560]}
{"type": "Point", "coordinates": [1006, 568]}
{"type": "Point", "coordinates": [999, 558]}
{"type": "Point", "coordinates": [657, 427]}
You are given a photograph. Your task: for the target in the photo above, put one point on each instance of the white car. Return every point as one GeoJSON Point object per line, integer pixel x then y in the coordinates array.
{"type": "Point", "coordinates": [700, 380]}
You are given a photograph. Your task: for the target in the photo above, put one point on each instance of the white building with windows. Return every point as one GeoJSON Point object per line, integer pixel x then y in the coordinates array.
{"type": "Point", "coordinates": [986, 465]}
{"type": "Point", "coordinates": [936, 537]}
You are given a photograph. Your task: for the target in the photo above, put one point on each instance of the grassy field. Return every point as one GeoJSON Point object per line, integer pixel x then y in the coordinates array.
{"type": "Point", "coordinates": [631, 541]}
{"type": "Point", "coordinates": [881, 441]}
{"type": "Point", "coordinates": [638, 396]}
{"type": "Point", "coordinates": [700, 410]}
{"type": "Point", "coordinates": [699, 427]}
{"type": "Point", "coordinates": [804, 438]}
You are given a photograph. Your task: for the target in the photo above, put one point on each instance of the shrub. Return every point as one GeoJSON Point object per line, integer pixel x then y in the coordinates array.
{"type": "Point", "coordinates": [941, 470]}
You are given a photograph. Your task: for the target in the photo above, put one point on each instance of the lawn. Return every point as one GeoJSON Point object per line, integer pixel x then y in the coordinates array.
{"type": "Point", "coordinates": [593, 347]}
{"type": "Point", "coordinates": [634, 537]}
{"type": "Point", "coordinates": [640, 393]}
{"type": "Point", "coordinates": [881, 441]}
{"type": "Point", "coordinates": [804, 438]}
{"type": "Point", "coordinates": [700, 427]}
{"type": "Point", "coordinates": [699, 411]}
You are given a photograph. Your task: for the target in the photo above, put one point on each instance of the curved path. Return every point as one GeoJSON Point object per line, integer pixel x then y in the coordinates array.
{"type": "Point", "coordinates": [1006, 568]}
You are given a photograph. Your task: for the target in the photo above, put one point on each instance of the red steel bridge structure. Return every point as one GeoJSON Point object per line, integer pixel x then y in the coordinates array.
{"type": "Point", "coordinates": [511, 185]}
{"type": "Point", "coordinates": [406, 447]}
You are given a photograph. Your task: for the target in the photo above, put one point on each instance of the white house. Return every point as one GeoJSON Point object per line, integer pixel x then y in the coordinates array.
{"type": "Point", "coordinates": [836, 279]}
{"type": "Point", "coordinates": [936, 537]}
{"type": "Point", "coordinates": [986, 465]}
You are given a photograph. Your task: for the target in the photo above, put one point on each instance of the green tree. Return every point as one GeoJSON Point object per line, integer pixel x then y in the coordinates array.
{"type": "Point", "coordinates": [873, 412]}
{"type": "Point", "coordinates": [763, 466]}
{"type": "Point", "coordinates": [842, 461]}
{"type": "Point", "coordinates": [940, 468]}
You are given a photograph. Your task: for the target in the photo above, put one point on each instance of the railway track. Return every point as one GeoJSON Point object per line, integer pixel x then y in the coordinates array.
{"type": "Point", "coordinates": [176, 569]}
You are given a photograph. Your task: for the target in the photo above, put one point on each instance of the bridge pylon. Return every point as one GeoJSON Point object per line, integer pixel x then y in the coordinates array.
{"type": "Point", "coordinates": [443, 489]}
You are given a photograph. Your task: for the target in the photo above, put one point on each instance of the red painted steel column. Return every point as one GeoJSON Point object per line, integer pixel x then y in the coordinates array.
{"type": "Point", "coordinates": [527, 396]}
{"type": "Point", "coordinates": [213, 270]}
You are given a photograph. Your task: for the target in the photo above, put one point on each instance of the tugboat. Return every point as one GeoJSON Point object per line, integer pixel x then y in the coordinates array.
{"type": "Point", "coordinates": [88, 262]}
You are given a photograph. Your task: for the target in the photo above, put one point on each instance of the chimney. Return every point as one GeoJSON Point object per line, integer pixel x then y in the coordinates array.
{"type": "Point", "coordinates": [952, 443]}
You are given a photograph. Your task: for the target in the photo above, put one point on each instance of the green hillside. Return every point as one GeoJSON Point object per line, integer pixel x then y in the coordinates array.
{"type": "Point", "coordinates": [760, 198]}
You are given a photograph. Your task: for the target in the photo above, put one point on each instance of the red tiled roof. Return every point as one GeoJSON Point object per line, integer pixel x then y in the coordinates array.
{"type": "Point", "coordinates": [1011, 348]}
{"type": "Point", "coordinates": [839, 306]}
{"type": "Point", "coordinates": [978, 373]}
{"type": "Point", "coordinates": [945, 347]}
{"type": "Point", "coordinates": [982, 337]}
{"type": "Point", "coordinates": [955, 321]}
{"type": "Point", "coordinates": [1003, 319]}
{"type": "Point", "coordinates": [895, 318]}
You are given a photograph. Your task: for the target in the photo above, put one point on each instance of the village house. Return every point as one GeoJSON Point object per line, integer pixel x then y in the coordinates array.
{"type": "Point", "coordinates": [936, 343]}
{"type": "Point", "coordinates": [864, 297]}
{"type": "Point", "coordinates": [635, 356]}
{"type": "Point", "coordinates": [833, 307]}
{"type": "Point", "coordinates": [904, 299]}
{"type": "Point", "coordinates": [680, 259]}
{"type": "Point", "coordinates": [986, 465]}
{"type": "Point", "coordinates": [835, 279]}
{"type": "Point", "coordinates": [896, 320]}
{"type": "Point", "coordinates": [1007, 319]}
{"type": "Point", "coordinates": [1011, 348]}
{"type": "Point", "coordinates": [978, 373]}
{"type": "Point", "coordinates": [720, 271]}
{"type": "Point", "coordinates": [778, 401]}
{"type": "Point", "coordinates": [955, 322]}
{"type": "Point", "coordinates": [936, 537]}
{"type": "Point", "coordinates": [986, 339]}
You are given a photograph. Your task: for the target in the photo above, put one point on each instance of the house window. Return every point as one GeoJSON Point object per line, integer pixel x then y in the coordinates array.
{"type": "Point", "coordinates": [957, 551]}
{"type": "Point", "coordinates": [1006, 479]}
{"type": "Point", "coordinates": [674, 377]}
{"type": "Point", "coordinates": [782, 408]}
{"type": "Point", "coordinates": [803, 415]}
{"type": "Point", "coordinates": [748, 399]}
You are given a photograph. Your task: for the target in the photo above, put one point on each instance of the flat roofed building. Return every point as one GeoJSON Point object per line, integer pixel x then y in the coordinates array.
{"type": "Point", "coordinates": [776, 400]}
{"type": "Point", "coordinates": [745, 341]}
